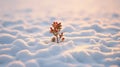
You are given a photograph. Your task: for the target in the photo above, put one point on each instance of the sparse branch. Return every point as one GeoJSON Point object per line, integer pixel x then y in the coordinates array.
{"type": "Point", "coordinates": [55, 30]}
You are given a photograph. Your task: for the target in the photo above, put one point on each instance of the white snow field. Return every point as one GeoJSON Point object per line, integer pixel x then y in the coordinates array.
{"type": "Point", "coordinates": [91, 29]}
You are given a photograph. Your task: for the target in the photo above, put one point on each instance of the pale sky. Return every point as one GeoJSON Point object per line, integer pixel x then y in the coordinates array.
{"type": "Point", "coordinates": [56, 7]}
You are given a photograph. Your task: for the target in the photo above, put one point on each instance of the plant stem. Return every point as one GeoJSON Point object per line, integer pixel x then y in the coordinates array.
{"type": "Point", "coordinates": [57, 39]}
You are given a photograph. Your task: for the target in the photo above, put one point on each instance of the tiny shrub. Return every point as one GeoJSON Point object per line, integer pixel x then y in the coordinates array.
{"type": "Point", "coordinates": [55, 30]}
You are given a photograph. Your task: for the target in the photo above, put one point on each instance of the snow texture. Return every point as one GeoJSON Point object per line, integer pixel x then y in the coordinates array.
{"type": "Point", "coordinates": [91, 30]}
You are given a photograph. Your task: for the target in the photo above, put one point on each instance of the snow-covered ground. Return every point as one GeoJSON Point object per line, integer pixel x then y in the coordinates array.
{"type": "Point", "coordinates": [91, 29]}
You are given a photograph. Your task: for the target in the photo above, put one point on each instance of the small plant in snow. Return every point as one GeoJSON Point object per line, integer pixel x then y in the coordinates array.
{"type": "Point", "coordinates": [55, 30]}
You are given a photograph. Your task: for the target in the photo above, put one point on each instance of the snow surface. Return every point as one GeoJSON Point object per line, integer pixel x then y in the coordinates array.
{"type": "Point", "coordinates": [91, 29]}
